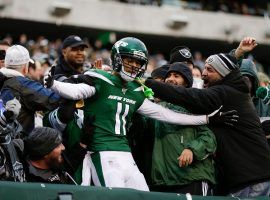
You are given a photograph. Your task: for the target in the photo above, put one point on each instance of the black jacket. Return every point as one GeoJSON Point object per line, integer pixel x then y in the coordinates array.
{"type": "Point", "coordinates": [243, 154]}
{"type": "Point", "coordinates": [34, 174]}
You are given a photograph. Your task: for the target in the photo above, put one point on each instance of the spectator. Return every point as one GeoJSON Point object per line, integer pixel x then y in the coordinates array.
{"type": "Point", "coordinates": [198, 60]}
{"type": "Point", "coordinates": [263, 79]}
{"type": "Point", "coordinates": [249, 72]}
{"type": "Point", "coordinates": [70, 114]}
{"type": "Point", "coordinates": [45, 62]}
{"type": "Point", "coordinates": [159, 74]}
{"type": "Point", "coordinates": [243, 155]}
{"type": "Point", "coordinates": [11, 146]}
{"type": "Point", "coordinates": [115, 98]}
{"type": "Point", "coordinates": [31, 94]}
{"type": "Point", "coordinates": [44, 161]}
{"type": "Point", "coordinates": [182, 54]}
{"type": "Point", "coordinates": [183, 155]}
{"type": "Point", "coordinates": [197, 77]}
{"type": "Point", "coordinates": [35, 71]}
{"type": "Point", "coordinates": [72, 56]}
{"type": "Point", "coordinates": [196, 72]}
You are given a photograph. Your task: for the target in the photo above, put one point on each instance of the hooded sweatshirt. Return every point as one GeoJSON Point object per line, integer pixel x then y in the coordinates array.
{"type": "Point", "coordinates": [248, 68]}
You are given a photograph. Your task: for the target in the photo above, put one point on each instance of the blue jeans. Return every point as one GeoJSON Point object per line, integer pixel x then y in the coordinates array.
{"type": "Point", "coordinates": [259, 189]}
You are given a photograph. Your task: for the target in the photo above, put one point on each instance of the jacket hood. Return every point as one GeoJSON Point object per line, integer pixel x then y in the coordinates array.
{"type": "Point", "coordinates": [248, 68]}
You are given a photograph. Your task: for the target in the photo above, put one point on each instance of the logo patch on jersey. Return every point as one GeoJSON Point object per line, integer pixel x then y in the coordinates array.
{"type": "Point", "coordinates": [185, 52]}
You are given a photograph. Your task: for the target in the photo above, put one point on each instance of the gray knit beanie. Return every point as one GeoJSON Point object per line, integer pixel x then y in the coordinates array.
{"type": "Point", "coordinates": [223, 63]}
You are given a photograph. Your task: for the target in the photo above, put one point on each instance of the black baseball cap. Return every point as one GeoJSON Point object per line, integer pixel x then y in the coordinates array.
{"type": "Point", "coordinates": [73, 41]}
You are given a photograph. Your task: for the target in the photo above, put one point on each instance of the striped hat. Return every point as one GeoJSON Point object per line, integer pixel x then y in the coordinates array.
{"type": "Point", "coordinates": [222, 63]}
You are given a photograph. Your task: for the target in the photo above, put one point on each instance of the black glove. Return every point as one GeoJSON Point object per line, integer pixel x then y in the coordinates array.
{"type": "Point", "coordinates": [66, 110]}
{"type": "Point", "coordinates": [229, 118]}
{"type": "Point", "coordinates": [81, 78]}
{"type": "Point", "coordinates": [48, 80]}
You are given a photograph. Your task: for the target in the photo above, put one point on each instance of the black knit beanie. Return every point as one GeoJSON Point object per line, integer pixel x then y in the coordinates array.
{"type": "Point", "coordinates": [182, 69]}
{"type": "Point", "coordinates": [41, 141]}
{"type": "Point", "coordinates": [160, 72]}
{"type": "Point", "coordinates": [181, 54]}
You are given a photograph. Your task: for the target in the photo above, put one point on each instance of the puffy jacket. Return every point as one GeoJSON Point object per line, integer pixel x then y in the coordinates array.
{"type": "Point", "coordinates": [31, 94]}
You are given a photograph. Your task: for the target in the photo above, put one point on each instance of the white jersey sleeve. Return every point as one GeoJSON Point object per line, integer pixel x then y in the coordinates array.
{"type": "Point", "coordinates": [73, 91]}
{"type": "Point", "coordinates": [160, 113]}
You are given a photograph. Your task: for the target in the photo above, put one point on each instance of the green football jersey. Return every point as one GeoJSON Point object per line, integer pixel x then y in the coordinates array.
{"type": "Point", "coordinates": [113, 106]}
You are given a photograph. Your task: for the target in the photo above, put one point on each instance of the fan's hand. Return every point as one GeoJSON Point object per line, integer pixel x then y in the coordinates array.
{"type": "Point", "coordinates": [229, 118]}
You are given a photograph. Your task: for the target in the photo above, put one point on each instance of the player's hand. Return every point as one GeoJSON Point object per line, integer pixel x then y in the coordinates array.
{"type": "Point", "coordinates": [185, 158]}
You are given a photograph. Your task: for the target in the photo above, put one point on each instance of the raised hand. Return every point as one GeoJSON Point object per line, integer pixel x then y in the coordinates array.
{"type": "Point", "coordinates": [246, 45]}
{"type": "Point", "coordinates": [98, 64]}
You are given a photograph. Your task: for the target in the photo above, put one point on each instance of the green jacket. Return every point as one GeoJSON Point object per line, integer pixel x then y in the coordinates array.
{"type": "Point", "coordinates": [170, 141]}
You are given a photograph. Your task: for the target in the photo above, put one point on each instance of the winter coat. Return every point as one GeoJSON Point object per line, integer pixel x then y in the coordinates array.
{"type": "Point", "coordinates": [243, 154]}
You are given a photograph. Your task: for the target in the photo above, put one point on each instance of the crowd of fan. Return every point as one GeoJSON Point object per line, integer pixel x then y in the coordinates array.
{"type": "Point", "coordinates": [227, 6]}
{"type": "Point", "coordinates": [67, 110]}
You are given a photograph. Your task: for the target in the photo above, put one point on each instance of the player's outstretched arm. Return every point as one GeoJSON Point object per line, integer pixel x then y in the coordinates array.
{"type": "Point", "coordinates": [160, 113]}
{"type": "Point", "coordinates": [73, 91]}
